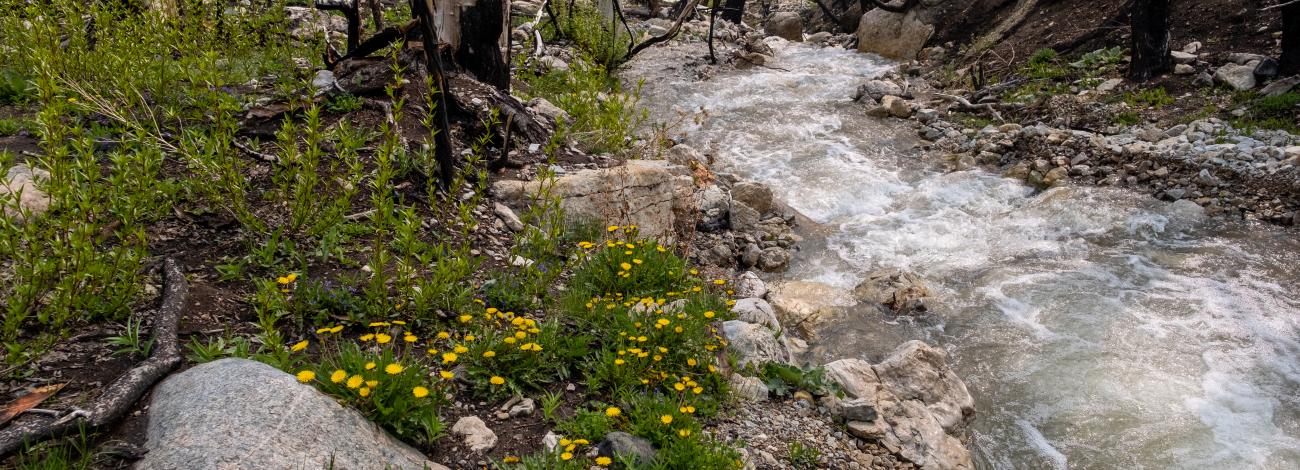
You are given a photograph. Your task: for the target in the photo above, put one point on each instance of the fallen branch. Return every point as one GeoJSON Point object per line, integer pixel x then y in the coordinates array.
{"type": "Point", "coordinates": [266, 157]}
{"type": "Point", "coordinates": [966, 105]}
{"type": "Point", "coordinates": [1280, 5]}
{"type": "Point", "coordinates": [672, 32]}
{"type": "Point", "coordinates": [119, 396]}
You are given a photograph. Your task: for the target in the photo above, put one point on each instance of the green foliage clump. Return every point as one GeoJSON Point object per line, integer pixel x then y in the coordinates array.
{"type": "Point", "coordinates": [783, 380]}
{"type": "Point", "coordinates": [1149, 98]}
{"type": "Point", "coordinates": [603, 116]}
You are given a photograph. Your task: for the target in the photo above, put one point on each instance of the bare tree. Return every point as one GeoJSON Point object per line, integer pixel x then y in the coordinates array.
{"type": "Point", "coordinates": [1290, 63]}
{"type": "Point", "coordinates": [1150, 23]}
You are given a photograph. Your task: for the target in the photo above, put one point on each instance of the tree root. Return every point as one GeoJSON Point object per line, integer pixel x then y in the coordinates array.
{"type": "Point", "coordinates": [119, 396]}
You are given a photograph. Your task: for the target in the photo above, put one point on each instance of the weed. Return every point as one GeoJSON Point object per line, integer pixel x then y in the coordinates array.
{"type": "Point", "coordinates": [783, 380]}
{"type": "Point", "coordinates": [1127, 118]}
{"type": "Point", "coordinates": [802, 456]}
{"type": "Point", "coordinates": [131, 341]}
{"type": "Point", "coordinates": [1149, 98]}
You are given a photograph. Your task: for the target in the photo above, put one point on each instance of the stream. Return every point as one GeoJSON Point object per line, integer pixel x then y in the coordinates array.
{"type": "Point", "coordinates": [1095, 327]}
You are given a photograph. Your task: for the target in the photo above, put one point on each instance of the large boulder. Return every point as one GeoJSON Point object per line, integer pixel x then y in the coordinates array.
{"type": "Point", "coordinates": [19, 196]}
{"type": "Point", "coordinates": [902, 292]}
{"type": "Point", "coordinates": [645, 193]}
{"type": "Point", "coordinates": [1237, 77]}
{"type": "Point", "coordinates": [237, 413]}
{"type": "Point", "coordinates": [911, 402]}
{"type": "Point", "coordinates": [786, 24]}
{"type": "Point", "coordinates": [898, 36]}
{"type": "Point", "coordinates": [806, 305]}
{"type": "Point", "coordinates": [757, 311]}
{"type": "Point", "coordinates": [754, 344]}
{"type": "Point", "coordinates": [755, 195]}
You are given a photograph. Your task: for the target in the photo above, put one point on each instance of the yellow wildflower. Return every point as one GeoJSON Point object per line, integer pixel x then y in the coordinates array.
{"type": "Point", "coordinates": [410, 338]}
{"type": "Point", "coordinates": [299, 346]}
{"type": "Point", "coordinates": [448, 358]}
{"type": "Point", "coordinates": [443, 335]}
{"type": "Point", "coordinates": [355, 381]}
{"type": "Point", "coordinates": [306, 376]}
{"type": "Point", "coordinates": [367, 337]}
{"type": "Point", "coordinates": [625, 266]}
{"type": "Point", "coordinates": [420, 392]}
{"type": "Point", "coordinates": [684, 432]}
{"type": "Point", "coordinates": [709, 314]}
{"type": "Point", "coordinates": [336, 329]}
{"type": "Point", "coordinates": [446, 374]}
{"type": "Point", "coordinates": [510, 459]}
{"type": "Point", "coordinates": [372, 383]}
{"type": "Point", "coordinates": [489, 353]}
{"type": "Point", "coordinates": [666, 419]}
{"type": "Point", "coordinates": [370, 366]}
{"type": "Point", "coordinates": [466, 318]}
{"type": "Point", "coordinates": [497, 380]}
{"type": "Point", "coordinates": [603, 461]}
{"type": "Point", "coordinates": [382, 338]}
{"type": "Point", "coordinates": [566, 456]}
{"type": "Point", "coordinates": [365, 392]}
{"type": "Point", "coordinates": [612, 228]}
{"type": "Point", "coordinates": [338, 376]}
{"type": "Point", "coordinates": [393, 369]}
{"type": "Point", "coordinates": [613, 411]}
{"type": "Point", "coordinates": [378, 324]}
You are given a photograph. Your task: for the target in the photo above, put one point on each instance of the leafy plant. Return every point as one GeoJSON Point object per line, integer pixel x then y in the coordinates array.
{"type": "Point", "coordinates": [132, 340]}
{"type": "Point", "coordinates": [802, 456]}
{"type": "Point", "coordinates": [783, 380]}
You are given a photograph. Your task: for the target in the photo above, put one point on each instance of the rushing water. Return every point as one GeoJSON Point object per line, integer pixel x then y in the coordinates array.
{"type": "Point", "coordinates": [1096, 328]}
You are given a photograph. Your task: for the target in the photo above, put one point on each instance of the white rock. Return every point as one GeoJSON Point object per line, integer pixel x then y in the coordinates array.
{"type": "Point", "coordinates": [475, 433]}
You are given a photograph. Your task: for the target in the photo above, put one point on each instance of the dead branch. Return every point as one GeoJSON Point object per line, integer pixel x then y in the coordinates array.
{"type": "Point", "coordinates": [266, 157]}
{"type": "Point", "coordinates": [1280, 5]}
{"type": "Point", "coordinates": [672, 32]}
{"type": "Point", "coordinates": [965, 105]}
{"type": "Point", "coordinates": [119, 396]}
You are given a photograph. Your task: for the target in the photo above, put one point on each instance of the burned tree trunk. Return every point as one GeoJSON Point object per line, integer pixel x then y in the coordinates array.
{"type": "Point", "coordinates": [733, 10]}
{"type": "Point", "coordinates": [1290, 63]}
{"type": "Point", "coordinates": [483, 34]}
{"type": "Point", "coordinates": [1150, 23]}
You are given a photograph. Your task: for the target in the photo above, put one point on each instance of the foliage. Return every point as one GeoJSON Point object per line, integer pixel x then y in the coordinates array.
{"type": "Point", "coordinates": [783, 380]}
{"type": "Point", "coordinates": [603, 116]}
{"type": "Point", "coordinates": [1269, 112]}
{"type": "Point", "coordinates": [14, 87]}
{"type": "Point", "coordinates": [603, 43]}
{"type": "Point", "coordinates": [1127, 118]}
{"type": "Point", "coordinates": [802, 456]}
{"type": "Point", "coordinates": [132, 340]}
{"type": "Point", "coordinates": [71, 453]}
{"type": "Point", "coordinates": [1149, 98]}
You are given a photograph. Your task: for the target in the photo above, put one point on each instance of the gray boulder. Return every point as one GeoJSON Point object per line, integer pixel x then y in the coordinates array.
{"type": "Point", "coordinates": [620, 445]}
{"type": "Point", "coordinates": [754, 344]}
{"type": "Point", "coordinates": [898, 36]}
{"type": "Point", "coordinates": [237, 413]}
{"type": "Point", "coordinates": [713, 205]}
{"type": "Point", "coordinates": [755, 195]}
{"type": "Point", "coordinates": [756, 311]}
{"type": "Point", "coordinates": [903, 292]}
{"type": "Point", "coordinates": [475, 433]}
{"type": "Point", "coordinates": [1280, 86]}
{"type": "Point", "coordinates": [19, 196]}
{"type": "Point", "coordinates": [786, 24]}
{"type": "Point", "coordinates": [749, 285]}
{"type": "Point", "coordinates": [748, 388]}
{"type": "Point", "coordinates": [1237, 77]}
{"type": "Point", "coordinates": [877, 90]}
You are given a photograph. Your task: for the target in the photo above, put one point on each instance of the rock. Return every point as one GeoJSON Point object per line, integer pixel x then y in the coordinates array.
{"type": "Point", "coordinates": [819, 37]}
{"type": "Point", "coordinates": [237, 413]}
{"type": "Point", "coordinates": [774, 259]}
{"type": "Point", "coordinates": [555, 64]}
{"type": "Point", "coordinates": [750, 256]}
{"type": "Point", "coordinates": [1109, 85]}
{"type": "Point", "coordinates": [877, 90]}
{"type": "Point", "coordinates": [916, 371]}
{"type": "Point", "coordinates": [807, 305]}
{"type": "Point", "coordinates": [548, 110]}
{"type": "Point", "coordinates": [620, 445]}
{"type": "Point", "coordinates": [1192, 47]}
{"type": "Point", "coordinates": [714, 207]}
{"type": "Point", "coordinates": [902, 292]}
{"type": "Point", "coordinates": [1184, 69]}
{"type": "Point", "coordinates": [1280, 86]}
{"type": "Point", "coordinates": [898, 107]}
{"type": "Point", "coordinates": [645, 193]}
{"type": "Point", "coordinates": [685, 155]}
{"type": "Point", "coordinates": [1203, 79]}
{"type": "Point", "coordinates": [308, 23]}
{"type": "Point", "coordinates": [20, 197]}
{"type": "Point", "coordinates": [475, 434]}
{"type": "Point", "coordinates": [785, 24]}
{"type": "Point", "coordinates": [748, 388]}
{"type": "Point", "coordinates": [1243, 58]}
{"type": "Point", "coordinates": [525, 407]}
{"type": "Point", "coordinates": [1266, 69]}
{"type": "Point", "coordinates": [857, 409]}
{"type": "Point", "coordinates": [1181, 57]}
{"type": "Point", "coordinates": [743, 217]}
{"type": "Point", "coordinates": [1238, 77]}
{"type": "Point", "coordinates": [878, 111]}
{"type": "Point", "coordinates": [754, 344]}
{"type": "Point", "coordinates": [749, 285]}
{"type": "Point", "coordinates": [755, 195]}
{"type": "Point", "coordinates": [898, 36]}
{"type": "Point", "coordinates": [508, 217]}
{"type": "Point", "coordinates": [323, 80]}
{"type": "Point", "coordinates": [1056, 176]}
{"type": "Point", "coordinates": [926, 116]}
{"type": "Point", "coordinates": [756, 311]}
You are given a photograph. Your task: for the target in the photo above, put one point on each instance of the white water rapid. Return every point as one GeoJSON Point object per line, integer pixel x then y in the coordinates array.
{"type": "Point", "coordinates": [1096, 328]}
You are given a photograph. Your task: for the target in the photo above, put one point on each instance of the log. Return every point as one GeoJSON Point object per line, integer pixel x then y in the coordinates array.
{"type": "Point", "coordinates": [672, 32]}
{"type": "Point", "coordinates": [116, 399]}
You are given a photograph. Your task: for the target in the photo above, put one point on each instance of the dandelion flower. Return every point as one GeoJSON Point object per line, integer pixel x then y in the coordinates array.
{"type": "Point", "coordinates": [398, 322]}
{"type": "Point", "coordinates": [446, 374]}
{"type": "Point", "coordinates": [613, 411]}
{"type": "Point", "coordinates": [460, 349]}
{"type": "Point", "coordinates": [709, 314]}
{"type": "Point", "coordinates": [684, 432]}
{"type": "Point", "coordinates": [338, 376]}
{"type": "Point", "coordinates": [394, 369]}
{"type": "Point", "coordinates": [497, 380]}
{"type": "Point", "coordinates": [603, 461]}
{"type": "Point", "coordinates": [448, 358]}
{"type": "Point", "coordinates": [566, 456]}
{"type": "Point", "coordinates": [365, 391]}
{"type": "Point", "coordinates": [355, 381]}
{"type": "Point", "coordinates": [336, 329]}
{"type": "Point", "coordinates": [489, 353]}
{"type": "Point", "coordinates": [306, 376]}
{"type": "Point", "coordinates": [370, 366]}
{"type": "Point", "coordinates": [299, 346]}
{"type": "Point", "coordinates": [466, 318]}
{"type": "Point", "coordinates": [378, 324]}
{"type": "Point", "coordinates": [510, 459]}
{"type": "Point", "coordinates": [410, 338]}
{"type": "Point", "coordinates": [372, 383]}
{"type": "Point", "coordinates": [612, 228]}
{"type": "Point", "coordinates": [666, 419]}
{"type": "Point", "coordinates": [625, 266]}
{"type": "Point", "coordinates": [367, 337]}
{"type": "Point", "coordinates": [420, 392]}
{"type": "Point", "coordinates": [443, 335]}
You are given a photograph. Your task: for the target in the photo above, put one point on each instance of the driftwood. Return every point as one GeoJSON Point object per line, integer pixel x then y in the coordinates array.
{"type": "Point", "coordinates": [671, 33]}
{"type": "Point", "coordinates": [117, 399]}
{"type": "Point", "coordinates": [966, 105]}
{"type": "Point", "coordinates": [1019, 13]}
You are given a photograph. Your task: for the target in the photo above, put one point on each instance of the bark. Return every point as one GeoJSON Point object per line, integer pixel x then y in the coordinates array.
{"type": "Point", "coordinates": [480, 43]}
{"type": "Point", "coordinates": [116, 400]}
{"type": "Point", "coordinates": [1290, 60]}
{"type": "Point", "coordinates": [687, 10]}
{"type": "Point", "coordinates": [424, 11]}
{"type": "Point", "coordinates": [1150, 23]}
{"type": "Point", "coordinates": [733, 11]}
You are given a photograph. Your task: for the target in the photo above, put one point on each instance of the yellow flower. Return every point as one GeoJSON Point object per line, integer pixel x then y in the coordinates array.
{"type": "Point", "coordinates": [287, 279]}
{"type": "Point", "coordinates": [443, 335]}
{"type": "Point", "coordinates": [565, 442]}
{"type": "Point", "coordinates": [367, 337]}
{"type": "Point", "coordinates": [382, 338]}
{"type": "Point", "coordinates": [666, 419]}
{"type": "Point", "coordinates": [585, 245]}
{"type": "Point", "coordinates": [603, 461]}
{"type": "Point", "coordinates": [460, 349]}
{"type": "Point", "coordinates": [466, 318]}
{"type": "Point", "coordinates": [509, 340]}
{"type": "Point", "coordinates": [410, 338]}
{"type": "Point", "coordinates": [393, 369]}
{"type": "Point", "coordinates": [322, 330]}
{"type": "Point", "coordinates": [510, 459]}
{"type": "Point", "coordinates": [636, 261]}
{"type": "Point", "coordinates": [470, 337]}
{"type": "Point", "coordinates": [365, 392]}
{"type": "Point", "coordinates": [709, 314]}
{"type": "Point", "coordinates": [420, 392]}
{"type": "Point", "coordinates": [497, 380]}
{"type": "Point", "coordinates": [448, 358]}
{"type": "Point", "coordinates": [612, 228]}
{"type": "Point", "coordinates": [489, 353]}
{"type": "Point", "coordinates": [370, 366]}
{"type": "Point", "coordinates": [398, 322]}
{"type": "Point", "coordinates": [679, 386]}
{"type": "Point", "coordinates": [338, 376]}
{"type": "Point", "coordinates": [446, 374]}
{"type": "Point", "coordinates": [566, 456]}
{"type": "Point", "coordinates": [336, 329]}
{"type": "Point", "coordinates": [691, 362]}
{"type": "Point", "coordinates": [306, 376]}
{"type": "Point", "coordinates": [613, 411]}
{"type": "Point", "coordinates": [687, 409]}
{"type": "Point", "coordinates": [581, 442]}
{"type": "Point", "coordinates": [299, 346]}
{"type": "Point", "coordinates": [618, 362]}
{"type": "Point", "coordinates": [378, 324]}
{"type": "Point", "coordinates": [625, 266]}
{"type": "Point", "coordinates": [684, 432]}
{"type": "Point", "coordinates": [355, 381]}
{"type": "Point", "coordinates": [697, 390]}
{"type": "Point", "coordinates": [372, 383]}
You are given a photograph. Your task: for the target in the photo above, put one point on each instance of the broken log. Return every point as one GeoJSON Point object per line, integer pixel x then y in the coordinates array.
{"type": "Point", "coordinates": [672, 32]}
{"type": "Point", "coordinates": [116, 399]}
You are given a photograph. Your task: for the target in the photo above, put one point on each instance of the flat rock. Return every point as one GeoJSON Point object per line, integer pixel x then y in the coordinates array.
{"type": "Point", "coordinates": [475, 433]}
{"type": "Point", "coordinates": [1237, 77]}
{"type": "Point", "coordinates": [756, 311]}
{"type": "Point", "coordinates": [237, 413]}
{"type": "Point", "coordinates": [807, 305]}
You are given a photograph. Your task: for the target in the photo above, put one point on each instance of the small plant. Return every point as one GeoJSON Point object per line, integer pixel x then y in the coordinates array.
{"type": "Point", "coordinates": [14, 88]}
{"type": "Point", "coordinates": [783, 380]}
{"type": "Point", "coordinates": [217, 348]}
{"type": "Point", "coordinates": [131, 341]}
{"type": "Point", "coordinates": [802, 456]}
{"type": "Point", "coordinates": [1149, 98]}
{"type": "Point", "coordinates": [1127, 118]}
{"type": "Point", "coordinates": [1043, 65]}
{"type": "Point", "coordinates": [343, 103]}
{"type": "Point", "coordinates": [1099, 59]}
{"type": "Point", "coordinates": [550, 404]}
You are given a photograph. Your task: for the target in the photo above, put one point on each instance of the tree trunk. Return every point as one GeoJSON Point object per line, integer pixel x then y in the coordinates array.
{"type": "Point", "coordinates": [1150, 24]}
{"type": "Point", "coordinates": [1290, 63]}
{"type": "Point", "coordinates": [477, 32]}
{"type": "Point", "coordinates": [733, 10]}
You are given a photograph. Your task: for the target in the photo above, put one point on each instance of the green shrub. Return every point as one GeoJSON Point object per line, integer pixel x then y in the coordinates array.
{"type": "Point", "coordinates": [1149, 98]}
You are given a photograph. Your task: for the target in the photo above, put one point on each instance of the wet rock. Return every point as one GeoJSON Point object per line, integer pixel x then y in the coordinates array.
{"type": "Point", "coordinates": [20, 197]}
{"type": "Point", "coordinates": [807, 305]}
{"type": "Point", "coordinates": [749, 285]}
{"type": "Point", "coordinates": [748, 388]}
{"type": "Point", "coordinates": [641, 192]}
{"type": "Point", "coordinates": [756, 311]}
{"type": "Point", "coordinates": [877, 90]}
{"type": "Point", "coordinates": [898, 36]}
{"type": "Point", "coordinates": [819, 37]}
{"type": "Point", "coordinates": [237, 413]}
{"type": "Point", "coordinates": [753, 344]}
{"type": "Point", "coordinates": [743, 217]}
{"type": "Point", "coordinates": [685, 155]}
{"type": "Point", "coordinates": [475, 434]}
{"type": "Point", "coordinates": [785, 24]}
{"type": "Point", "coordinates": [774, 259]}
{"type": "Point", "coordinates": [508, 217]}
{"type": "Point", "coordinates": [902, 292]}
{"type": "Point", "coordinates": [619, 445]}
{"type": "Point", "coordinates": [1237, 77]}
{"type": "Point", "coordinates": [755, 195]}
{"type": "Point", "coordinates": [714, 207]}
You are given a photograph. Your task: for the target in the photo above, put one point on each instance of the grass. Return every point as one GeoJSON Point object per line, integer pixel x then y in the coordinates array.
{"type": "Point", "coordinates": [1281, 112]}
{"type": "Point", "coordinates": [1148, 98]}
